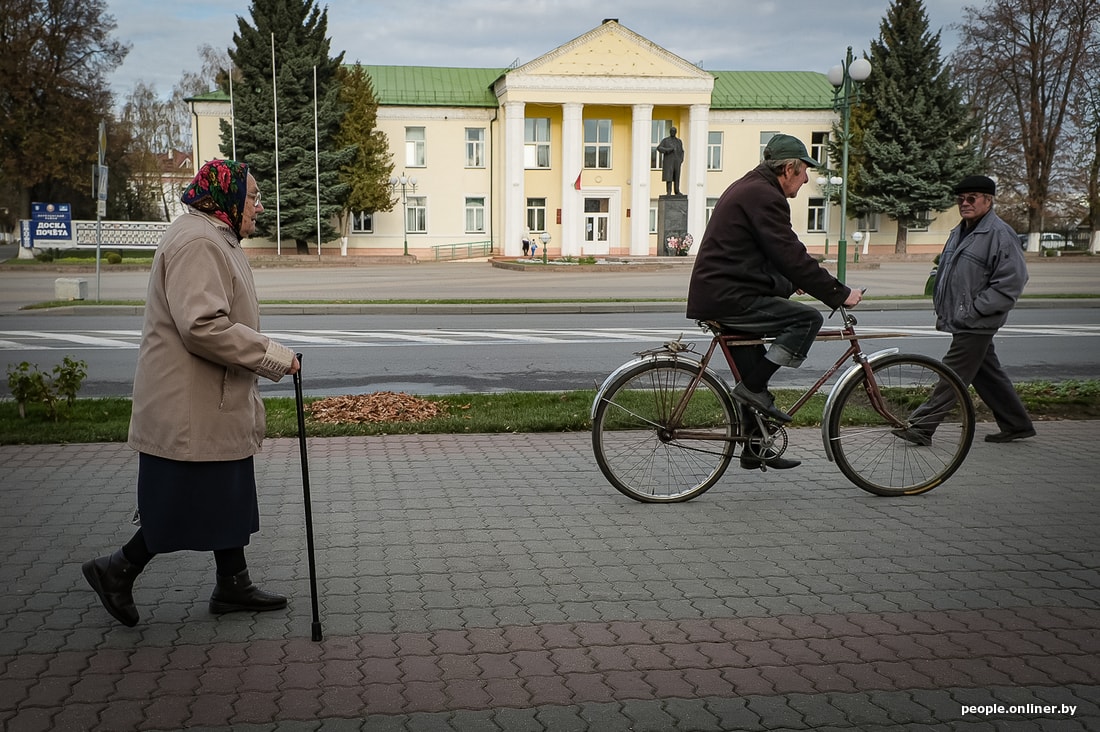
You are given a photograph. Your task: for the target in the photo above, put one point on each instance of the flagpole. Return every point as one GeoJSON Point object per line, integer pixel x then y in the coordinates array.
{"type": "Point", "coordinates": [232, 114]}
{"type": "Point", "coordinates": [275, 105]}
{"type": "Point", "coordinates": [317, 161]}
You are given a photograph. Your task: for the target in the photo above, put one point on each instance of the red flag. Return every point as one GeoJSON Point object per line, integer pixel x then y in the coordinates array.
{"type": "Point", "coordinates": [577, 185]}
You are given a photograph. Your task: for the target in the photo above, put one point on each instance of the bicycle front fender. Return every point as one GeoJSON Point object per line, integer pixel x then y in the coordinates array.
{"type": "Point", "coordinates": [853, 372]}
{"type": "Point", "coordinates": [688, 357]}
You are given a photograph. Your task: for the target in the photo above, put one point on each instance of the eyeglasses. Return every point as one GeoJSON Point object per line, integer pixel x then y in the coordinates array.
{"type": "Point", "coordinates": [256, 199]}
{"type": "Point", "coordinates": [960, 200]}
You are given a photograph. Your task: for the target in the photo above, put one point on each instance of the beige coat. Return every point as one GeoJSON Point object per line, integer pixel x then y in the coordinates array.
{"type": "Point", "coordinates": [195, 390]}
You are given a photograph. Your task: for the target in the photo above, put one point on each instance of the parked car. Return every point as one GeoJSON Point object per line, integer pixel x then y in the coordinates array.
{"type": "Point", "coordinates": [1047, 240]}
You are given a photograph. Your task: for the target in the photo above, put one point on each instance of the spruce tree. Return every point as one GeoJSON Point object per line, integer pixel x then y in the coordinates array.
{"type": "Point", "coordinates": [298, 30]}
{"type": "Point", "coordinates": [916, 133]}
{"type": "Point", "coordinates": [368, 173]}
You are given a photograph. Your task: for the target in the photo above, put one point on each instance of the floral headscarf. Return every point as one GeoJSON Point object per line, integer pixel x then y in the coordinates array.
{"type": "Point", "coordinates": [220, 189]}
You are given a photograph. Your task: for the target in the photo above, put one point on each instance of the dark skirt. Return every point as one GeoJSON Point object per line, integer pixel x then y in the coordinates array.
{"type": "Point", "coordinates": [196, 505]}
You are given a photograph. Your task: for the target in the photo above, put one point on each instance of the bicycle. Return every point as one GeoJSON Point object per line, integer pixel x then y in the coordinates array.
{"type": "Point", "coordinates": [665, 425]}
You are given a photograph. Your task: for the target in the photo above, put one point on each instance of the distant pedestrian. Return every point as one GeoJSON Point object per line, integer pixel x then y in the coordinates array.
{"type": "Point", "coordinates": [526, 246]}
{"type": "Point", "coordinates": [534, 249]}
{"type": "Point", "coordinates": [980, 277]}
{"type": "Point", "coordinates": [197, 414]}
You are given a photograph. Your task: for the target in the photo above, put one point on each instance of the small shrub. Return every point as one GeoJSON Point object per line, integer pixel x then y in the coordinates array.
{"type": "Point", "coordinates": [30, 385]}
{"type": "Point", "coordinates": [114, 258]}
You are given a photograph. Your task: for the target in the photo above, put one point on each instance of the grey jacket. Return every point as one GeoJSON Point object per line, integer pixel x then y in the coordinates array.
{"type": "Point", "coordinates": [195, 391]}
{"type": "Point", "coordinates": [981, 275]}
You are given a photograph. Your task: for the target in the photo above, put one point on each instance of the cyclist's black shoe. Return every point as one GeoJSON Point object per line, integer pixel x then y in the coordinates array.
{"type": "Point", "coordinates": [912, 434]}
{"type": "Point", "coordinates": [761, 400]}
{"type": "Point", "coordinates": [750, 462]}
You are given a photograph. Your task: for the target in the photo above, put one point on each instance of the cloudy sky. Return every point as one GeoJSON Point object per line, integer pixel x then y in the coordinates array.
{"type": "Point", "coordinates": [719, 35]}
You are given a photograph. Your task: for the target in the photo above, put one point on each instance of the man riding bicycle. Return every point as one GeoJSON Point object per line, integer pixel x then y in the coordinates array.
{"type": "Point", "coordinates": [749, 264]}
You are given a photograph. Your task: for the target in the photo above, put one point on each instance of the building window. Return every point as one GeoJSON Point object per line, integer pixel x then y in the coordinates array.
{"type": "Point", "coordinates": [475, 147]}
{"type": "Point", "coordinates": [714, 151]}
{"type": "Point", "coordinates": [652, 216]}
{"type": "Point", "coordinates": [536, 214]}
{"type": "Point", "coordinates": [819, 147]}
{"type": "Point", "coordinates": [597, 143]}
{"type": "Point", "coordinates": [536, 142]}
{"type": "Point", "coordinates": [416, 216]}
{"type": "Point", "coordinates": [765, 138]}
{"type": "Point", "coordinates": [711, 203]}
{"type": "Point", "coordinates": [658, 130]}
{"type": "Point", "coordinates": [919, 222]}
{"type": "Point", "coordinates": [867, 222]}
{"type": "Point", "coordinates": [362, 223]}
{"type": "Point", "coordinates": [815, 219]}
{"type": "Point", "coordinates": [475, 215]}
{"type": "Point", "coordinates": [415, 155]}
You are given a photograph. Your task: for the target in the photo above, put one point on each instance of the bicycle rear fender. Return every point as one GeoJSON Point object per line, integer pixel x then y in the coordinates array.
{"type": "Point", "coordinates": [853, 372]}
{"type": "Point", "coordinates": [688, 357]}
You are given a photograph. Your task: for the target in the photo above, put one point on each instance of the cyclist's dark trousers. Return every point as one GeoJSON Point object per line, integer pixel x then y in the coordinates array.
{"type": "Point", "coordinates": [793, 325]}
{"type": "Point", "coordinates": [973, 358]}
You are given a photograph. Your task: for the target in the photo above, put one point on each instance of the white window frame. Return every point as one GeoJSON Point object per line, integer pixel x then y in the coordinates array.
{"type": "Point", "coordinates": [711, 203]}
{"type": "Point", "coordinates": [475, 147]}
{"type": "Point", "coordinates": [658, 130]}
{"type": "Point", "coordinates": [819, 147]}
{"type": "Point", "coordinates": [536, 210]}
{"type": "Point", "coordinates": [416, 147]}
{"type": "Point", "coordinates": [416, 215]}
{"type": "Point", "coordinates": [815, 215]}
{"type": "Point", "coordinates": [652, 216]}
{"type": "Point", "coordinates": [475, 214]}
{"type": "Point", "coordinates": [715, 140]}
{"type": "Point", "coordinates": [766, 137]}
{"type": "Point", "coordinates": [536, 143]}
{"type": "Point", "coordinates": [597, 143]}
{"type": "Point", "coordinates": [362, 222]}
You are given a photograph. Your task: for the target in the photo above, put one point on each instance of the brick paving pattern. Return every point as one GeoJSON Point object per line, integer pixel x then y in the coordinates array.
{"type": "Point", "coordinates": [497, 582]}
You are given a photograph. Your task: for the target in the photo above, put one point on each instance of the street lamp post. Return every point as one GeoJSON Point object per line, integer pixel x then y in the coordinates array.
{"type": "Point", "coordinates": [406, 185]}
{"type": "Point", "coordinates": [846, 79]}
{"type": "Point", "coordinates": [544, 237]}
{"type": "Point", "coordinates": [828, 184]}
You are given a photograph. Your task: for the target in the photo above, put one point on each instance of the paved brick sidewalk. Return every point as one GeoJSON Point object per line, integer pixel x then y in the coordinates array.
{"type": "Point", "coordinates": [497, 582]}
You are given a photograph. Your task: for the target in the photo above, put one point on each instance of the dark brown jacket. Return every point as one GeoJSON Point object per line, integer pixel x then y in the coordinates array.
{"type": "Point", "coordinates": [750, 250]}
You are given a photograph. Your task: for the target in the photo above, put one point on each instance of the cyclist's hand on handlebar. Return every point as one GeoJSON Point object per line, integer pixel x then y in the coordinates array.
{"type": "Point", "coordinates": [854, 298]}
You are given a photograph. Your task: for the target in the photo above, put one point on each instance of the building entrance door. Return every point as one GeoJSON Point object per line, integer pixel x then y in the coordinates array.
{"type": "Point", "coordinates": [597, 225]}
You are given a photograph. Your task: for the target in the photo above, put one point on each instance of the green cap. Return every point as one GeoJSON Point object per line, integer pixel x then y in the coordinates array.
{"type": "Point", "coordinates": [786, 147]}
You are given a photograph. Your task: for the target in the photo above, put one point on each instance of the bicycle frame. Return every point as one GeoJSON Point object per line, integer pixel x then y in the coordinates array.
{"type": "Point", "coordinates": [861, 363]}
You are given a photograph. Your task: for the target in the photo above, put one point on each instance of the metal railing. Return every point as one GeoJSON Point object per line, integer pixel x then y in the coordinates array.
{"type": "Point", "coordinates": [464, 250]}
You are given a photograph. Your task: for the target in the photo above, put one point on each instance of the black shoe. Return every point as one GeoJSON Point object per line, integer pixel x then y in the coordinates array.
{"type": "Point", "coordinates": [761, 400]}
{"type": "Point", "coordinates": [751, 462]}
{"type": "Point", "coordinates": [912, 434]}
{"type": "Point", "coordinates": [238, 594]}
{"type": "Point", "coordinates": [112, 578]}
{"type": "Point", "coordinates": [1010, 435]}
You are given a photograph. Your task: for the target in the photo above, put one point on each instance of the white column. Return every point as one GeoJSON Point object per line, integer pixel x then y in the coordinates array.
{"type": "Point", "coordinates": [698, 118]}
{"type": "Point", "coordinates": [514, 205]}
{"type": "Point", "coordinates": [572, 162]}
{"type": "Point", "coordinates": [639, 179]}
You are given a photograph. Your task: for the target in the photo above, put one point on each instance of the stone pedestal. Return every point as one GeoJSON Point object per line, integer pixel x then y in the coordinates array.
{"type": "Point", "coordinates": [70, 288]}
{"type": "Point", "coordinates": [672, 218]}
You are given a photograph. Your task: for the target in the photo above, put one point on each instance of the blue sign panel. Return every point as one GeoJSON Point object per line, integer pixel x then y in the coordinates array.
{"type": "Point", "coordinates": [51, 223]}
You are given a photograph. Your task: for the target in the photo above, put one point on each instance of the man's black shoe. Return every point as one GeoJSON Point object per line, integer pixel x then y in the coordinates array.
{"type": "Point", "coordinates": [911, 434]}
{"type": "Point", "coordinates": [751, 462]}
{"type": "Point", "coordinates": [1010, 435]}
{"type": "Point", "coordinates": [761, 400]}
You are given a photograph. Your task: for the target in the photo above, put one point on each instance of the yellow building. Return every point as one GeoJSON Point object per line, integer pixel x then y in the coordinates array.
{"type": "Point", "coordinates": [565, 146]}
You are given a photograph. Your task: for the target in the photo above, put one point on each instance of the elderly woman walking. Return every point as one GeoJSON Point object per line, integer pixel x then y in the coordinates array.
{"type": "Point", "coordinates": [198, 419]}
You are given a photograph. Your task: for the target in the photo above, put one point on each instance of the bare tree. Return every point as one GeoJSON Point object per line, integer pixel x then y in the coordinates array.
{"type": "Point", "coordinates": [1025, 60]}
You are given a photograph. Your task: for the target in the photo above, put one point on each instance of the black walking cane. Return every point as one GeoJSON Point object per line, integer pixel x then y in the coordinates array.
{"type": "Point", "coordinates": [305, 489]}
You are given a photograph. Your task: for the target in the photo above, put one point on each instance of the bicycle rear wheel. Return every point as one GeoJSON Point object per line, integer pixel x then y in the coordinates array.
{"type": "Point", "coordinates": [639, 450]}
{"type": "Point", "coordinates": [866, 444]}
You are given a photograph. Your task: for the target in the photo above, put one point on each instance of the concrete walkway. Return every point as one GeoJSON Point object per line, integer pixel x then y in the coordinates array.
{"type": "Point", "coordinates": [497, 582]}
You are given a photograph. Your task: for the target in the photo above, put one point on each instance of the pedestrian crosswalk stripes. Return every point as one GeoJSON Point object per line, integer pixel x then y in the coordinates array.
{"type": "Point", "coordinates": [35, 340]}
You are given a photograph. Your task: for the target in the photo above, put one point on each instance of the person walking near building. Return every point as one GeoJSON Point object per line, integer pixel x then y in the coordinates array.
{"type": "Point", "coordinates": [198, 419]}
{"type": "Point", "coordinates": [980, 276]}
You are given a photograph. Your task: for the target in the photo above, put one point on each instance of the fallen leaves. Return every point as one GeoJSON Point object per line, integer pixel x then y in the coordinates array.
{"type": "Point", "coordinates": [381, 406]}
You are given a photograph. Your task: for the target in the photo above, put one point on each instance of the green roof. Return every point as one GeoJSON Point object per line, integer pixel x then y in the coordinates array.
{"type": "Point", "coordinates": [434, 86]}
{"type": "Point", "coordinates": [771, 90]}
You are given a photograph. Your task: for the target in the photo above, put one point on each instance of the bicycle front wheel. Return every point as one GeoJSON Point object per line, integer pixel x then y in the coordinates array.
{"type": "Point", "coordinates": [639, 449]}
{"type": "Point", "coordinates": [867, 425]}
